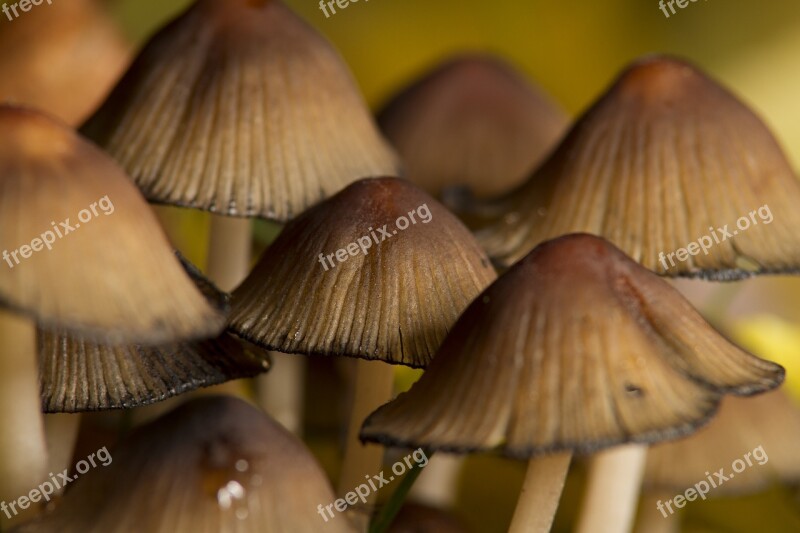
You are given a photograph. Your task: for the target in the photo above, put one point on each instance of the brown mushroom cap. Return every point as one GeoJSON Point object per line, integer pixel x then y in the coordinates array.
{"type": "Point", "coordinates": [395, 303]}
{"type": "Point", "coordinates": [770, 421]}
{"type": "Point", "coordinates": [664, 158]}
{"type": "Point", "coordinates": [78, 375]}
{"type": "Point", "coordinates": [62, 59]}
{"type": "Point", "coordinates": [240, 108]}
{"type": "Point", "coordinates": [214, 464]}
{"type": "Point", "coordinates": [473, 121]}
{"type": "Point", "coordinates": [111, 275]}
{"type": "Point", "coordinates": [575, 348]}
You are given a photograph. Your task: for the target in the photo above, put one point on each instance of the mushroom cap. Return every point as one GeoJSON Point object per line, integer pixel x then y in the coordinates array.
{"type": "Point", "coordinates": [473, 121]}
{"type": "Point", "coordinates": [240, 108]}
{"type": "Point", "coordinates": [111, 275]}
{"type": "Point", "coordinates": [78, 375]}
{"type": "Point", "coordinates": [769, 421]}
{"type": "Point", "coordinates": [213, 464]}
{"type": "Point", "coordinates": [666, 157]}
{"type": "Point", "coordinates": [69, 72]}
{"type": "Point", "coordinates": [395, 303]}
{"type": "Point", "coordinates": [575, 348]}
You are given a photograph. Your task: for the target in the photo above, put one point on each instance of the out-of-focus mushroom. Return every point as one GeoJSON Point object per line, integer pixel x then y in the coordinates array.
{"type": "Point", "coordinates": [213, 464]}
{"type": "Point", "coordinates": [472, 122]}
{"type": "Point", "coordinates": [354, 276]}
{"type": "Point", "coordinates": [573, 350]}
{"type": "Point", "coordinates": [672, 169]}
{"type": "Point", "coordinates": [65, 58]}
{"type": "Point", "coordinates": [81, 251]}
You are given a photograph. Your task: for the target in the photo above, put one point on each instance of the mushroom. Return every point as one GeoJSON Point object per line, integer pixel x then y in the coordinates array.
{"type": "Point", "coordinates": [666, 160]}
{"type": "Point", "coordinates": [380, 272]}
{"type": "Point", "coordinates": [240, 108]}
{"type": "Point", "coordinates": [471, 122]}
{"type": "Point", "coordinates": [574, 349]}
{"type": "Point", "coordinates": [81, 251]}
{"type": "Point", "coordinates": [79, 375]}
{"type": "Point", "coordinates": [760, 432]}
{"type": "Point", "coordinates": [213, 464]}
{"type": "Point", "coordinates": [65, 59]}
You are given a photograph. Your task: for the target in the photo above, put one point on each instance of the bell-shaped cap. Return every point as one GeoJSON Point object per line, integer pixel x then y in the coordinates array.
{"type": "Point", "coordinates": [240, 108]}
{"type": "Point", "coordinates": [672, 169]}
{"type": "Point", "coordinates": [472, 122]}
{"type": "Point", "coordinates": [379, 271]}
{"type": "Point", "coordinates": [81, 249]}
{"type": "Point", "coordinates": [213, 464]}
{"type": "Point", "coordinates": [575, 348]}
{"type": "Point", "coordinates": [62, 58]}
{"type": "Point", "coordinates": [759, 434]}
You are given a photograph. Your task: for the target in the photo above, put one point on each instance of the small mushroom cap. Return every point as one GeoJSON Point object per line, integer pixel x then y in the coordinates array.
{"type": "Point", "coordinates": [666, 157]}
{"type": "Point", "coordinates": [98, 264]}
{"type": "Point", "coordinates": [575, 348]}
{"type": "Point", "coordinates": [394, 303]}
{"type": "Point", "coordinates": [240, 108]}
{"type": "Point", "coordinates": [473, 121]}
{"type": "Point", "coordinates": [213, 464]}
{"type": "Point", "coordinates": [767, 427]}
{"type": "Point", "coordinates": [65, 58]}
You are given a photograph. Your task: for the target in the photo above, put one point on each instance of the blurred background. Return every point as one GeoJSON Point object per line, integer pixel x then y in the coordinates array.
{"type": "Point", "coordinates": [573, 50]}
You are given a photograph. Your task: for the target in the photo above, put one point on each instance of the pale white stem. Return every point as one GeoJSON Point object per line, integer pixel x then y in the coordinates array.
{"type": "Point", "coordinates": [61, 434]}
{"type": "Point", "coordinates": [229, 251]}
{"type": "Point", "coordinates": [437, 484]}
{"type": "Point", "coordinates": [23, 452]}
{"type": "Point", "coordinates": [612, 492]}
{"type": "Point", "coordinates": [280, 391]}
{"type": "Point", "coordinates": [541, 492]}
{"type": "Point", "coordinates": [651, 519]}
{"type": "Point", "coordinates": [374, 384]}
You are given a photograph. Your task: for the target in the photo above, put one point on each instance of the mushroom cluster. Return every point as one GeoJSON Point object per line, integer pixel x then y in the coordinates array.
{"type": "Point", "coordinates": [516, 267]}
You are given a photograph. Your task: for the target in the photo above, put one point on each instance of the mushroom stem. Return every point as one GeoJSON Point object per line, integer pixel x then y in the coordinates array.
{"type": "Point", "coordinates": [23, 453]}
{"type": "Point", "coordinates": [612, 492]}
{"type": "Point", "coordinates": [541, 492]}
{"type": "Point", "coordinates": [651, 520]}
{"type": "Point", "coordinates": [280, 392]}
{"type": "Point", "coordinates": [61, 434]}
{"type": "Point", "coordinates": [437, 484]}
{"type": "Point", "coordinates": [374, 382]}
{"type": "Point", "coordinates": [229, 251]}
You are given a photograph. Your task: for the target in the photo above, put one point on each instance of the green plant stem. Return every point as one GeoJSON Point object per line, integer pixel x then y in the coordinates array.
{"type": "Point", "coordinates": [387, 513]}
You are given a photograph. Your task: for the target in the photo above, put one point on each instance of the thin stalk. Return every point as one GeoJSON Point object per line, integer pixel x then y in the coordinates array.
{"type": "Point", "coordinates": [280, 391]}
{"type": "Point", "coordinates": [374, 383]}
{"type": "Point", "coordinates": [382, 521]}
{"type": "Point", "coordinates": [23, 451]}
{"type": "Point", "coordinates": [541, 492]}
{"type": "Point", "coordinates": [612, 492]}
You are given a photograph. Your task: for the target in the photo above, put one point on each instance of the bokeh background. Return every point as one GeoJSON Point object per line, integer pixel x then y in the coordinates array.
{"type": "Point", "coordinates": [574, 49]}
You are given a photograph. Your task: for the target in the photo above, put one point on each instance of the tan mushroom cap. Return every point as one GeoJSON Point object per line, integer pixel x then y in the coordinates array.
{"type": "Point", "coordinates": [418, 518]}
{"type": "Point", "coordinates": [110, 273]}
{"type": "Point", "coordinates": [62, 57]}
{"type": "Point", "coordinates": [396, 303]}
{"type": "Point", "coordinates": [575, 348]}
{"type": "Point", "coordinates": [473, 121]}
{"type": "Point", "coordinates": [214, 464]}
{"type": "Point", "coordinates": [240, 108]}
{"type": "Point", "coordinates": [666, 157]}
{"type": "Point", "coordinates": [762, 432]}
{"type": "Point", "coordinates": [78, 375]}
